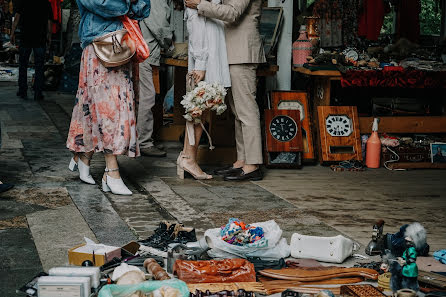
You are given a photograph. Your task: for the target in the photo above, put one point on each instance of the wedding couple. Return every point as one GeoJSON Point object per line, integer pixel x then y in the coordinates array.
{"type": "Point", "coordinates": [225, 47]}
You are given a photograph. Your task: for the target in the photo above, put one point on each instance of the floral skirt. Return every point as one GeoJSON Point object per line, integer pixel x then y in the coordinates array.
{"type": "Point", "coordinates": [103, 117]}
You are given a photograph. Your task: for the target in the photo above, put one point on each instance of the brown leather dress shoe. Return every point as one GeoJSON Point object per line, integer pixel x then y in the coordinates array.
{"type": "Point", "coordinates": [252, 176]}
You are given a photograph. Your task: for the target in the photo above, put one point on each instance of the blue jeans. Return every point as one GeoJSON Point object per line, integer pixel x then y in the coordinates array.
{"type": "Point", "coordinates": [39, 61]}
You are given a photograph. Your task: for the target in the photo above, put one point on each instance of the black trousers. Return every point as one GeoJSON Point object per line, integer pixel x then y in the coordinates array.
{"type": "Point", "coordinates": [39, 61]}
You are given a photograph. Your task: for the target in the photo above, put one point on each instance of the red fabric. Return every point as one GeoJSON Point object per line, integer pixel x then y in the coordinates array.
{"type": "Point", "coordinates": [397, 78]}
{"type": "Point", "coordinates": [371, 19]}
{"type": "Point", "coordinates": [142, 49]}
{"type": "Point", "coordinates": [57, 15]}
{"type": "Point", "coordinates": [408, 20]}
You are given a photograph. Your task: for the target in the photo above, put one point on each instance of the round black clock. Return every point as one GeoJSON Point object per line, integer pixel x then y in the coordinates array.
{"type": "Point", "coordinates": [283, 128]}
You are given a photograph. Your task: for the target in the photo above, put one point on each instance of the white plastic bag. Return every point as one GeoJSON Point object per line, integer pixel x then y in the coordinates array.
{"type": "Point", "coordinates": [281, 250]}
{"type": "Point", "coordinates": [273, 234]}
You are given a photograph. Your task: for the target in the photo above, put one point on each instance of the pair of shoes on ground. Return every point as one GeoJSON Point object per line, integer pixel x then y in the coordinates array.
{"type": "Point", "coordinates": [153, 151]}
{"type": "Point", "coordinates": [230, 173]}
{"type": "Point", "coordinates": [168, 233]}
{"type": "Point", "coordinates": [109, 184]}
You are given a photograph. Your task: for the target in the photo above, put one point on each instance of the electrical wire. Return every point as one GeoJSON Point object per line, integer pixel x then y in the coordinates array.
{"type": "Point", "coordinates": [393, 161]}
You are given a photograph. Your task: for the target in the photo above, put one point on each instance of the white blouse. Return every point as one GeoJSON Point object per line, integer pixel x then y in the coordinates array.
{"type": "Point", "coordinates": [207, 47]}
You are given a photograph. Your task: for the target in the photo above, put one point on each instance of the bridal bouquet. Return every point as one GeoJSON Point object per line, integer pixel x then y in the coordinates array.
{"type": "Point", "coordinates": [205, 96]}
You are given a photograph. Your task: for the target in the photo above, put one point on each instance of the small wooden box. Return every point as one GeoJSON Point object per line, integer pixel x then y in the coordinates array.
{"type": "Point", "coordinates": [360, 291]}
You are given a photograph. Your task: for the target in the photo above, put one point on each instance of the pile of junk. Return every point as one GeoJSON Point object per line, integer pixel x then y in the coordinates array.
{"type": "Point", "coordinates": [245, 260]}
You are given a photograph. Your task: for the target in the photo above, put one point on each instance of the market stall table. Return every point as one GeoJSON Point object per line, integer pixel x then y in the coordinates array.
{"type": "Point", "coordinates": [321, 84]}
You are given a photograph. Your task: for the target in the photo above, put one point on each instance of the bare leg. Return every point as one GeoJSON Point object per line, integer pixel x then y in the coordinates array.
{"type": "Point", "coordinates": [111, 162]}
{"type": "Point", "coordinates": [191, 151]}
{"type": "Point", "coordinates": [85, 157]}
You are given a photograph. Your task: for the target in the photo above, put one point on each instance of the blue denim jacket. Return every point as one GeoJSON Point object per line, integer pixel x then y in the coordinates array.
{"type": "Point", "coordinates": [99, 17]}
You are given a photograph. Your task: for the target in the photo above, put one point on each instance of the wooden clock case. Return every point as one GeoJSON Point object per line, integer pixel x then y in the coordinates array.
{"type": "Point", "coordinates": [274, 147]}
{"type": "Point", "coordinates": [339, 148]}
{"type": "Point", "coordinates": [307, 134]}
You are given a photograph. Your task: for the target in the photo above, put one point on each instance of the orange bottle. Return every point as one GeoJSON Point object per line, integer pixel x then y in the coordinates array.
{"type": "Point", "coordinates": [373, 151]}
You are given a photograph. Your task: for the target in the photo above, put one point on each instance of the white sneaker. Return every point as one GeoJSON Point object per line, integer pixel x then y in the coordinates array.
{"type": "Point", "coordinates": [84, 170]}
{"type": "Point", "coordinates": [114, 185]}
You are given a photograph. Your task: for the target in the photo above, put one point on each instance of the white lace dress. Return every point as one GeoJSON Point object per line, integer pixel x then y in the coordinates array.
{"type": "Point", "coordinates": [207, 47]}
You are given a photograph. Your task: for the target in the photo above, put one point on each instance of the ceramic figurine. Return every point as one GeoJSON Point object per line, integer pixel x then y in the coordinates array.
{"type": "Point", "coordinates": [404, 269]}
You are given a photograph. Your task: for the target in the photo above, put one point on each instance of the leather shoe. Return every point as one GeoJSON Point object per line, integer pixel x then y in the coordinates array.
{"type": "Point", "coordinates": [254, 175]}
{"type": "Point", "coordinates": [228, 170]}
{"type": "Point", "coordinates": [152, 151]}
{"type": "Point", "coordinates": [5, 187]}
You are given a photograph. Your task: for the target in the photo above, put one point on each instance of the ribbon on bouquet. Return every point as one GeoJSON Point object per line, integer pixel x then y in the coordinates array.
{"type": "Point", "coordinates": [190, 126]}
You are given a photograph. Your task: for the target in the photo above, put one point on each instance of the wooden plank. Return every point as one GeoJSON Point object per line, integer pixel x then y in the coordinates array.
{"type": "Point", "coordinates": [264, 69]}
{"type": "Point", "coordinates": [412, 124]}
{"type": "Point", "coordinates": [433, 279]}
{"type": "Point", "coordinates": [417, 165]}
{"type": "Point", "coordinates": [333, 73]}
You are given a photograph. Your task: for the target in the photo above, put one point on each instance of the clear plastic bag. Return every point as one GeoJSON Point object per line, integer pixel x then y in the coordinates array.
{"type": "Point", "coordinates": [145, 287]}
{"type": "Point", "coordinates": [269, 247]}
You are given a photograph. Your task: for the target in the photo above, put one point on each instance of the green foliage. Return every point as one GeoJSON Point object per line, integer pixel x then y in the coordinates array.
{"type": "Point", "coordinates": [430, 17]}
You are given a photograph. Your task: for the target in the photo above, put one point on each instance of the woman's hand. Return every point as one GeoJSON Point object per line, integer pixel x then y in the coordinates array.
{"type": "Point", "coordinates": [192, 3]}
{"type": "Point", "coordinates": [198, 75]}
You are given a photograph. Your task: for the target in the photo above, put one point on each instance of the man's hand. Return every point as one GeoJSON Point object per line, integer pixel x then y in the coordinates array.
{"type": "Point", "coordinates": [192, 3]}
{"type": "Point", "coordinates": [198, 75]}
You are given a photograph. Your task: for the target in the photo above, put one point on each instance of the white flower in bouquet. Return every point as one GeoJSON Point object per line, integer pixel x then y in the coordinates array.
{"type": "Point", "coordinates": [204, 96]}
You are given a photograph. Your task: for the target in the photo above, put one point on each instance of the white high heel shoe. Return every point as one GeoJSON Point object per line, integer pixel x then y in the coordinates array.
{"type": "Point", "coordinates": [84, 170]}
{"type": "Point", "coordinates": [115, 185]}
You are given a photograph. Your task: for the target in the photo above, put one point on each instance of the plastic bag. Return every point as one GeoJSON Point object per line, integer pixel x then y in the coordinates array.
{"type": "Point", "coordinates": [142, 49]}
{"type": "Point", "coordinates": [268, 244]}
{"type": "Point", "coordinates": [145, 287]}
{"type": "Point", "coordinates": [280, 250]}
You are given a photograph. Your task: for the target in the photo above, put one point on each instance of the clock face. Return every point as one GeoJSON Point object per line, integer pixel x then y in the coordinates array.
{"type": "Point", "coordinates": [292, 105]}
{"type": "Point", "coordinates": [339, 125]}
{"type": "Point", "coordinates": [283, 128]}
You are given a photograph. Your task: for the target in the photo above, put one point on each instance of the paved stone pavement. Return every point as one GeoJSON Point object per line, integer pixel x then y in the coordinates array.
{"type": "Point", "coordinates": [50, 210]}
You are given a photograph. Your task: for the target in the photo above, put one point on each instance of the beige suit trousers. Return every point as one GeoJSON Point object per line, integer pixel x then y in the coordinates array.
{"type": "Point", "coordinates": [243, 103]}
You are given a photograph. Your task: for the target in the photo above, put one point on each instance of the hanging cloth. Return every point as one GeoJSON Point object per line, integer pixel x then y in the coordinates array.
{"type": "Point", "coordinates": [408, 20]}
{"type": "Point", "coordinates": [330, 13]}
{"type": "Point", "coordinates": [372, 18]}
{"type": "Point", "coordinates": [57, 15]}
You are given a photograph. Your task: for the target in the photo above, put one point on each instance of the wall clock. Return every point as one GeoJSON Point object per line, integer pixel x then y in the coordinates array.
{"type": "Point", "coordinates": [297, 100]}
{"type": "Point", "coordinates": [339, 133]}
{"type": "Point", "coordinates": [283, 132]}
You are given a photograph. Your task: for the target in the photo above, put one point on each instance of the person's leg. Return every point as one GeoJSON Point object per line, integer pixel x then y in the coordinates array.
{"type": "Point", "coordinates": [39, 61]}
{"type": "Point", "coordinates": [188, 157]}
{"type": "Point", "coordinates": [240, 162]}
{"type": "Point", "coordinates": [243, 79]}
{"type": "Point", "coordinates": [111, 162]}
{"type": "Point", "coordinates": [144, 123]}
{"type": "Point", "coordinates": [24, 53]}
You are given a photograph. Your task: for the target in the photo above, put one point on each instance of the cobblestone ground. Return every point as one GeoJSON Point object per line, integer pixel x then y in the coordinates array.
{"type": "Point", "coordinates": [50, 210]}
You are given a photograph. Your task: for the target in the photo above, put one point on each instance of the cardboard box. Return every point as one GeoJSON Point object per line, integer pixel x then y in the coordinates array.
{"type": "Point", "coordinates": [76, 258]}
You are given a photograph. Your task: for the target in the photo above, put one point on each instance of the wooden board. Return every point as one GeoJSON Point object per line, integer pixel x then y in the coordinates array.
{"type": "Point", "coordinates": [332, 146]}
{"type": "Point", "coordinates": [432, 279]}
{"type": "Point", "coordinates": [307, 133]}
{"type": "Point", "coordinates": [331, 73]}
{"type": "Point", "coordinates": [416, 165]}
{"type": "Point", "coordinates": [412, 124]}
